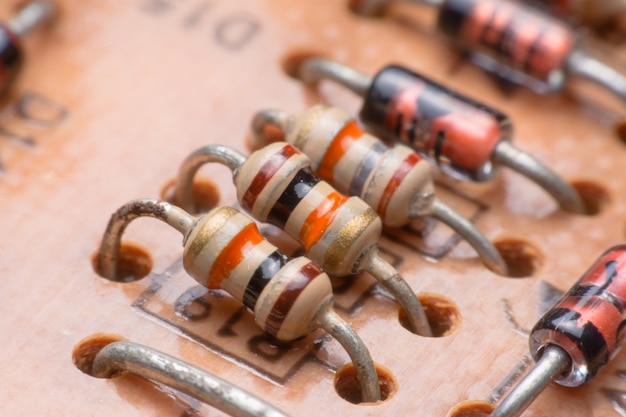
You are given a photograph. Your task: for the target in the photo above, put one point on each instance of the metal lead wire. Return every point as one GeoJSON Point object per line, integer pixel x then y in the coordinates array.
{"type": "Point", "coordinates": [269, 117]}
{"type": "Point", "coordinates": [518, 160]}
{"type": "Point", "coordinates": [375, 265]}
{"type": "Point", "coordinates": [466, 229]}
{"type": "Point", "coordinates": [360, 356]}
{"type": "Point", "coordinates": [393, 282]}
{"type": "Point", "coordinates": [230, 157]}
{"type": "Point", "coordinates": [30, 16]}
{"type": "Point", "coordinates": [108, 258]}
{"type": "Point", "coordinates": [579, 63]}
{"type": "Point", "coordinates": [152, 364]}
{"type": "Point", "coordinates": [314, 70]}
{"type": "Point", "coordinates": [108, 254]}
{"type": "Point", "coordinates": [552, 363]}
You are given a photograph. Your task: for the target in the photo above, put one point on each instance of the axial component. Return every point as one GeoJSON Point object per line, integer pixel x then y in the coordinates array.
{"type": "Point", "coordinates": [224, 250]}
{"type": "Point", "coordinates": [464, 138]}
{"type": "Point", "coordinates": [577, 337]}
{"type": "Point", "coordinates": [516, 42]}
{"type": "Point", "coordinates": [395, 181]}
{"type": "Point", "coordinates": [275, 184]}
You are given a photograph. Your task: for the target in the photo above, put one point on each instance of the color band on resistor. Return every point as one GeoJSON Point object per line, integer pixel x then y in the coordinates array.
{"type": "Point", "coordinates": [578, 336]}
{"type": "Point", "coordinates": [224, 250]}
{"type": "Point", "coordinates": [395, 181]}
{"type": "Point", "coordinates": [28, 17]}
{"type": "Point", "coordinates": [275, 184]}
{"type": "Point", "coordinates": [464, 138]}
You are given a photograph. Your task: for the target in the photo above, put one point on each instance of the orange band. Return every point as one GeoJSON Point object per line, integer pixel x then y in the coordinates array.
{"type": "Point", "coordinates": [347, 136]}
{"type": "Point", "coordinates": [233, 254]}
{"type": "Point", "coordinates": [318, 221]}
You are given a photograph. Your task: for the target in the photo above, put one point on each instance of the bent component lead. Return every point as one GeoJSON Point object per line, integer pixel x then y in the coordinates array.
{"type": "Point", "coordinates": [464, 138]}
{"type": "Point", "coordinates": [395, 181]}
{"type": "Point", "coordinates": [275, 185]}
{"type": "Point", "coordinates": [122, 356]}
{"type": "Point", "coordinates": [224, 250]}
{"type": "Point", "coordinates": [578, 336]}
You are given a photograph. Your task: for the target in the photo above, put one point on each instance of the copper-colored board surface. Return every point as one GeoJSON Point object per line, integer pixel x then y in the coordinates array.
{"type": "Point", "coordinates": [127, 89]}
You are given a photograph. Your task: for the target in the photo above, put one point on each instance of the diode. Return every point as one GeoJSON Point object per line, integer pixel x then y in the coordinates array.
{"type": "Point", "coordinates": [225, 250]}
{"type": "Point", "coordinates": [395, 181]}
{"type": "Point", "coordinates": [464, 138]}
{"type": "Point", "coordinates": [275, 185]}
{"type": "Point", "coordinates": [27, 18]}
{"type": "Point", "coordinates": [578, 336]}
{"type": "Point", "coordinates": [118, 356]}
{"type": "Point", "coordinates": [518, 43]}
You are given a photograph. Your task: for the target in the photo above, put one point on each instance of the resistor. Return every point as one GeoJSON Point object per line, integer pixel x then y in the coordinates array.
{"type": "Point", "coordinates": [27, 18]}
{"type": "Point", "coordinates": [520, 44]}
{"type": "Point", "coordinates": [464, 138]}
{"type": "Point", "coordinates": [225, 250]}
{"type": "Point", "coordinates": [578, 336]}
{"type": "Point", "coordinates": [275, 184]}
{"type": "Point", "coordinates": [395, 181]}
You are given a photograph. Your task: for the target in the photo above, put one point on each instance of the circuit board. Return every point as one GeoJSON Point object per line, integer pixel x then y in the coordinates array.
{"type": "Point", "coordinates": [114, 95]}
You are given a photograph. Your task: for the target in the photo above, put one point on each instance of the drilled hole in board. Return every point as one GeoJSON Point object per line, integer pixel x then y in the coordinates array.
{"type": "Point", "coordinates": [206, 194]}
{"type": "Point", "coordinates": [472, 408]}
{"type": "Point", "coordinates": [84, 353]}
{"type": "Point", "coordinates": [292, 62]}
{"type": "Point", "coordinates": [133, 264]}
{"type": "Point", "coordinates": [367, 8]}
{"type": "Point", "coordinates": [595, 197]}
{"type": "Point", "coordinates": [620, 130]}
{"type": "Point", "coordinates": [348, 388]}
{"type": "Point", "coordinates": [522, 258]}
{"type": "Point", "coordinates": [443, 315]}
{"type": "Point", "coordinates": [271, 134]}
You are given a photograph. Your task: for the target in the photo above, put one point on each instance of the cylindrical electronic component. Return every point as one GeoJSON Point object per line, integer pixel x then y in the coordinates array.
{"type": "Point", "coordinates": [588, 321]}
{"type": "Point", "coordinates": [518, 43]}
{"type": "Point", "coordinates": [464, 138]}
{"type": "Point", "coordinates": [454, 131]}
{"type": "Point", "coordinates": [520, 37]}
{"type": "Point", "coordinates": [395, 181]}
{"type": "Point", "coordinates": [523, 45]}
{"type": "Point", "coordinates": [578, 336]}
{"type": "Point", "coordinates": [28, 17]}
{"type": "Point", "coordinates": [225, 250]}
{"type": "Point", "coordinates": [275, 184]}
{"type": "Point", "coordinates": [121, 356]}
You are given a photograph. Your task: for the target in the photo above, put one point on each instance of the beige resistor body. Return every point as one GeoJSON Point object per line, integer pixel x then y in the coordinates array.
{"type": "Point", "coordinates": [224, 249]}
{"type": "Point", "coordinates": [395, 181]}
{"type": "Point", "coordinates": [276, 185]}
